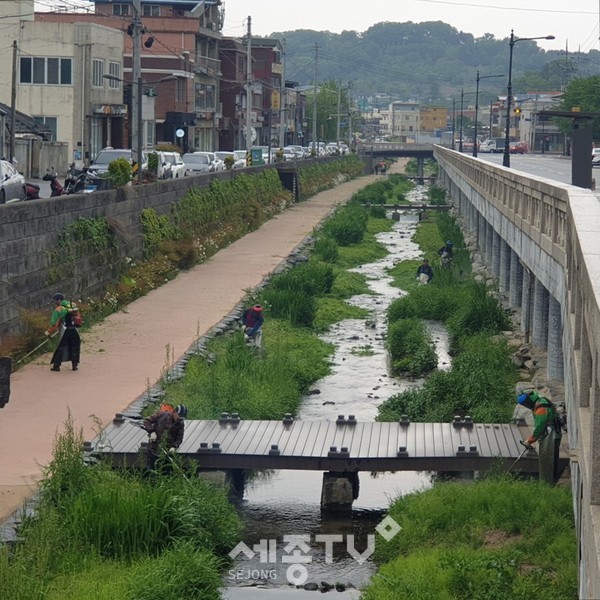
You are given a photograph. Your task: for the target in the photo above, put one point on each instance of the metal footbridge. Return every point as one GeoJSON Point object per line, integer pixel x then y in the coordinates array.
{"type": "Point", "coordinates": [341, 445]}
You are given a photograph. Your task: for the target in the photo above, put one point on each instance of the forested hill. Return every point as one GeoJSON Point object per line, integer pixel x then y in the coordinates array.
{"type": "Point", "coordinates": [428, 61]}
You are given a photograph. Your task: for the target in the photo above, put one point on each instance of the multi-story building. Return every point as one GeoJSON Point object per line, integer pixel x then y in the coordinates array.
{"type": "Point", "coordinates": [434, 119]}
{"type": "Point", "coordinates": [405, 120]}
{"type": "Point", "coordinates": [180, 42]}
{"type": "Point", "coordinates": [56, 78]}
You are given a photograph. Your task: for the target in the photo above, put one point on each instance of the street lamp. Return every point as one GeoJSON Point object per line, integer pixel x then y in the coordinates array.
{"type": "Point", "coordinates": [477, 109]}
{"type": "Point", "coordinates": [139, 138]}
{"type": "Point", "coordinates": [460, 131]}
{"type": "Point", "coordinates": [513, 41]}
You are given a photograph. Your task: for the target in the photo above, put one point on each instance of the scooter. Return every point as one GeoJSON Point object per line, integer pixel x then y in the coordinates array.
{"type": "Point", "coordinates": [79, 181]}
{"type": "Point", "coordinates": [32, 191]}
{"type": "Point", "coordinates": [56, 187]}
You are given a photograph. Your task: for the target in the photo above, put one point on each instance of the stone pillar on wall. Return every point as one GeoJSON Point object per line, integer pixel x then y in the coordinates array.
{"type": "Point", "coordinates": [515, 285]}
{"type": "Point", "coordinates": [496, 241]}
{"type": "Point", "coordinates": [489, 242]}
{"type": "Point", "coordinates": [505, 258]}
{"type": "Point", "coordinates": [481, 232]}
{"type": "Point", "coordinates": [526, 302]}
{"type": "Point", "coordinates": [555, 339]}
{"type": "Point", "coordinates": [539, 327]}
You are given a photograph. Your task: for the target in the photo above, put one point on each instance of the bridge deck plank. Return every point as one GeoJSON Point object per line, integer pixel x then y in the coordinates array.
{"type": "Point", "coordinates": [306, 444]}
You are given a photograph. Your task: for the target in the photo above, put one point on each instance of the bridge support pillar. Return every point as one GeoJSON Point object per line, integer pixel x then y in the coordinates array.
{"type": "Point", "coordinates": [555, 350]}
{"type": "Point", "coordinates": [481, 232]}
{"type": "Point", "coordinates": [540, 315]}
{"type": "Point", "coordinates": [496, 242]}
{"type": "Point", "coordinates": [515, 284]}
{"type": "Point", "coordinates": [489, 243]}
{"type": "Point", "coordinates": [505, 258]}
{"type": "Point", "coordinates": [339, 491]}
{"type": "Point", "coordinates": [526, 304]}
{"type": "Point", "coordinates": [420, 169]}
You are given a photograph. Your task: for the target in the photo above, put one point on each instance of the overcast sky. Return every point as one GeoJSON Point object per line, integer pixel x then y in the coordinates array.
{"type": "Point", "coordinates": [572, 21]}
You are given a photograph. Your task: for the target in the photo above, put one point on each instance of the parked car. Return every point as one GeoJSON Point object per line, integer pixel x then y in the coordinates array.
{"type": "Point", "coordinates": [289, 154]}
{"type": "Point", "coordinates": [517, 148]}
{"type": "Point", "coordinates": [176, 164]}
{"type": "Point", "coordinates": [222, 155]}
{"type": "Point", "coordinates": [196, 163]}
{"type": "Point", "coordinates": [216, 163]}
{"type": "Point", "coordinates": [12, 183]}
{"type": "Point", "coordinates": [240, 159]}
{"type": "Point", "coordinates": [595, 157]}
{"type": "Point", "coordinates": [100, 164]}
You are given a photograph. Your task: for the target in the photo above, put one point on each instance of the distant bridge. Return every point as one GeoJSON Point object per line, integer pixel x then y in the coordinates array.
{"type": "Point", "coordinates": [408, 150]}
{"type": "Point", "coordinates": [342, 447]}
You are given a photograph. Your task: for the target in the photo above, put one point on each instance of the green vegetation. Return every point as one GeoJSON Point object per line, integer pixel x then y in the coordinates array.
{"type": "Point", "coordinates": [119, 172]}
{"type": "Point", "coordinates": [410, 348]}
{"type": "Point", "coordinates": [390, 190]}
{"type": "Point", "coordinates": [481, 380]}
{"type": "Point", "coordinates": [99, 533]}
{"type": "Point", "coordinates": [322, 176]}
{"type": "Point", "coordinates": [497, 539]}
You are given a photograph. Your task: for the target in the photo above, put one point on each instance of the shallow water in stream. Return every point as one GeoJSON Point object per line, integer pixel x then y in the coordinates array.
{"type": "Point", "coordinates": [285, 503]}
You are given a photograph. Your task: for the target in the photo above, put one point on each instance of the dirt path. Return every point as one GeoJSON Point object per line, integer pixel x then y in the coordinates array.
{"type": "Point", "coordinates": [127, 353]}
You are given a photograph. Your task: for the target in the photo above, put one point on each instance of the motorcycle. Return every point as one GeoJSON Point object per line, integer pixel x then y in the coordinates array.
{"type": "Point", "coordinates": [79, 181]}
{"type": "Point", "coordinates": [56, 187]}
{"type": "Point", "coordinates": [32, 191]}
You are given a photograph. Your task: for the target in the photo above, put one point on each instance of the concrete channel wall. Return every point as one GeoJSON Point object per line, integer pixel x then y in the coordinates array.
{"type": "Point", "coordinates": [542, 240]}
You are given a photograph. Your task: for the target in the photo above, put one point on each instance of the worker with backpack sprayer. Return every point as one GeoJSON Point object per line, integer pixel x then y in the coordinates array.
{"type": "Point", "coordinates": [548, 424]}
{"type": "Point", "coordinates": [165, 431]}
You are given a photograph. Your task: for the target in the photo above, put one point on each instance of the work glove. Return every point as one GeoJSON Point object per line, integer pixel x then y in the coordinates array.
{"type": "Point", "coordinates": [171, 450]}
{"type": "Point", "coordinates": [152, 436]}
{"type": "Point", "coordinates": [526, 444]}
{"type": "Point", "coordinates": [47, 333]}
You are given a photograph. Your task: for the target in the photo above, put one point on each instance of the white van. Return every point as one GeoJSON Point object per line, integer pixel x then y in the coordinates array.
{"type": "Point", "coordinates": [487, 146]}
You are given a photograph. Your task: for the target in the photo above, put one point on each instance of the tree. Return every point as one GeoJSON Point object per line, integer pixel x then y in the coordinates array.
{"type": "Point", "coordinates": [583, 94]}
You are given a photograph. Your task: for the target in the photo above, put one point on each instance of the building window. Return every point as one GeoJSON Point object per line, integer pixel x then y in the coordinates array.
{"type": "Point", "coordinates": [51, 123]}
{"type": "Point", "coordinates": [114, 69]}
{"type": "Point", "coordinates": [120, 10]}
{"type": "Point", "coordinates": [205, 97]}
{"type": "Point", "coordinates": [98, 72]}
{"type": "Point", "coordinates": [40, 70]}
{"type": "Point", "coordinates": [151, 10]}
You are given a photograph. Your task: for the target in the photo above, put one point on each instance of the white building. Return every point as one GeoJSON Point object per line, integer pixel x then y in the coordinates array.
{"type": "Point", "coordinates": [405, 120]}
{"type": "Point", "coordinates": [59, 77]}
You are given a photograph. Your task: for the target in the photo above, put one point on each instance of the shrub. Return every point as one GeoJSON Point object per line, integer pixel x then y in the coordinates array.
{"type": "Point", "coordinates": [410, 347]}
{"type": "Point", "coordinates": [326, 249]}
{"type": "Point", "coordinates": [119, 172]}
{"type": "Point", "coordinates": [348, 225]}
{"type": "Point", "coordinates": [153, 163]}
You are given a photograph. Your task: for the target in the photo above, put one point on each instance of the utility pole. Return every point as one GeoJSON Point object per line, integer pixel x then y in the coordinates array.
{"type": "Point", "coordinates": [339, 103]}
{"type": "Point", "coordinates": [282, 106]}
{"type": "Point", "coordinates": [13, 104]}
{"type": "Point", "coordinates": [350, 133]}
{"type": "Point", "coordinates": [136, 88]}
{"type": "Point", "coordinates": [249, 87]}
{"type": "Point", "coordinates": [314, 115]}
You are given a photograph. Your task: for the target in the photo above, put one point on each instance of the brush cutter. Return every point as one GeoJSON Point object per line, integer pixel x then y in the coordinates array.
{"type": "Point", "coordinates": [520, 457]}
{"type": "Point", "coordinates": [37, 348]}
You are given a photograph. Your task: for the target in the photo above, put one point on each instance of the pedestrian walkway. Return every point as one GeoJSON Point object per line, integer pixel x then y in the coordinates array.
{"type": "Point", "coordinates": [127, 353]}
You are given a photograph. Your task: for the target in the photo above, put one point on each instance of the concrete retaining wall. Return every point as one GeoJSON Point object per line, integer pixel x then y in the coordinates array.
{"type": "Point", "coordinates": [543, 237]}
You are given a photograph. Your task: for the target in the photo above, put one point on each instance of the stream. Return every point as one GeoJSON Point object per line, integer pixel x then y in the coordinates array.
{"type": "Point", "coordinates": [287, 503]}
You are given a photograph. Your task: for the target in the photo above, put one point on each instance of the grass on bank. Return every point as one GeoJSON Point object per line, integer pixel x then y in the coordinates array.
{"type": "Point", "coordinates": [298, 304]}
{"type": "Point", "coordinates": [496, 539]}
{"type": "Point", "coordinates": [100, 533]}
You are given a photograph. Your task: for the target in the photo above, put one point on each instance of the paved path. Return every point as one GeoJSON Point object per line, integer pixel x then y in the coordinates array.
{"type": "Point", "coordinates": [126, 354]}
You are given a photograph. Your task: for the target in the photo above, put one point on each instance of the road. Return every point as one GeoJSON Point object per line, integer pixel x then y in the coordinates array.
{"type": "Point", "coordinates": [549, 166]}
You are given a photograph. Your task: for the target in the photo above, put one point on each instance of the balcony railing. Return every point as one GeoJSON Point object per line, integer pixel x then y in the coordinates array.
{"type": "Point", "coordinates": [211, 32]}
{"type": "Point", "coordinates": [208, 66]}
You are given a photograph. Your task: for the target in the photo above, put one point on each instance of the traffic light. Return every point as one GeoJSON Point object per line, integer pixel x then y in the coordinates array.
{"type": "Point", "coordinates": [517, 110]}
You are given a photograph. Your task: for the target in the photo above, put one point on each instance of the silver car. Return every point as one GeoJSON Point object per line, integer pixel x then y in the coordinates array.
{"type": "Point", "coordinates": [12, 183]}
{"type": "Point", "coordinates": [197, 163]}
